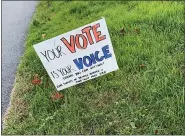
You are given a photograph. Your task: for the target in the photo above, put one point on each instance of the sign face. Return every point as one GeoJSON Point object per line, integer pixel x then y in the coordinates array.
{"type": "Point", "coordinates": [79, 55]}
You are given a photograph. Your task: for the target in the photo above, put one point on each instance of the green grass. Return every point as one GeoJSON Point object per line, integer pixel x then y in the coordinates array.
{"type": "Point", "coordinates": [135, 99]}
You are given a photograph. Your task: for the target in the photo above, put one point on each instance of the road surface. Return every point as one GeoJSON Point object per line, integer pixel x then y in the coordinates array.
{"type": "Point", "coordinates": [16, 16]}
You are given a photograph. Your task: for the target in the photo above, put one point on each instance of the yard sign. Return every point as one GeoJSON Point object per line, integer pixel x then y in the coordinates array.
{"type": "Point", "coordinates": [79, 55]}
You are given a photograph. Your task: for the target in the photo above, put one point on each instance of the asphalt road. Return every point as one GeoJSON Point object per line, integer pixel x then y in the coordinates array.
{"type": "Point", "coordinates": [16, 16]}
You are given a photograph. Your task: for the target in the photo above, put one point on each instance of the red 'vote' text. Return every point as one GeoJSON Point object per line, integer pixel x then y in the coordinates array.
{"type": "Point", "coordinates": [86, 38]}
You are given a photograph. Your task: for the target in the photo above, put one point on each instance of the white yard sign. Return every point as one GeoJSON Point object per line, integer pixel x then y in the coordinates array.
{"type": "Point", "coordinates": [79, 55]}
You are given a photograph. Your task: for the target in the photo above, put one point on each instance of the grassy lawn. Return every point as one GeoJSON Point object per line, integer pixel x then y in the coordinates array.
{"type": "Point", "coordinates": [146, 94]}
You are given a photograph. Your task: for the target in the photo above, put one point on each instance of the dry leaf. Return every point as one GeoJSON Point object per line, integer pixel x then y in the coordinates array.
{"type": "Point", "coordinates": [122, 31]}
{"type": "Point", "coordinates": [142, 65]}
{"type": "Point", "coordinates": [43, 35]}
{"type": "Point", "coordinates": [36, 80]}
{"type": "Point", "coordinates": [156, 132]}
{"type": "Point", "coordinates": [57, 96]}
{"type": "Point", "coordinates": [137, 30]}
{"type": "Point", "coordinates": [133, 125]}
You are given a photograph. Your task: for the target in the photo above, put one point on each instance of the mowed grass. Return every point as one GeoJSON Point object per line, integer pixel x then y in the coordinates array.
{"type": "Point", "coordinates": [146, 94]}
